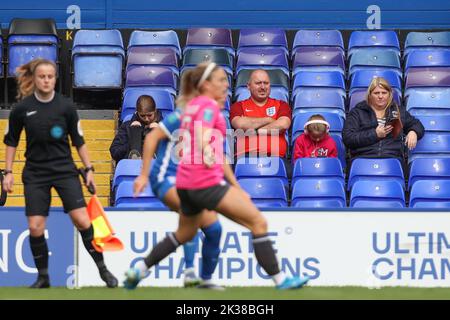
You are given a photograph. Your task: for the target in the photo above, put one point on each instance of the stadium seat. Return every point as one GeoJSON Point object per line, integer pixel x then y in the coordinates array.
{"type": "Point", "coordinates": [97, 58]}
{"type": "Point", "coordinates": [125, 197]}
{"type": "Point", "coordinates": [429, 169]}
{"type": "Point", "coordinates": [313, 101]}
{"type": "Point", "coordinates": [430, 194]}
{"type": "Point", "coordinates": [164, 39]}
{"type": "Point", "coordinates": [342, 153]}
{"type": "Point", "coordinates": [426, 40]}
{"type": "Point", "coordinates": [427, 77]}
{"type": "Point", "coordinates": [431, 145]}
{"type": "Point", "coordinates": [375, 59]}
{"type": "Point", "coordinates": [163, 99]}
{"type": "Point", "coordinates": [336, 123]}
{"type": "Point", "coordinates": [318, 193]}
{"type": "Point", "coordinates": [384, 169]}
{"type": "Point", "coordinates": [142, 56]}
{"type": "Point", "coordinates": [373, 39]}
{"type": "Point", "coordinates": [220, 56]}
{"type": "Point", "coordinates": [318, 168]}
{"type": "Point", "coordinates": [331, 79]}
{"type": "Point", "coordinates": [361, 79]}
{"type": "Point", "coordinates": [126, 170]}
{"type": "Point", "coordinates": [262, 58]}
{"type": "Point", "coordinates": [435, 123]}
{"type": "Point", "coordinates": [265, 192]}
{"type": "Point", "coordinates": [262, 37]}
{"type": "Point", "coordinates": [428, 101]}
{"type": "Point", "coordinates": [198, 38]}
{"type": "Point", "coordinates": [319, 59]}
{"type": "Point", "coordinates": [359, 95]}
{"type": "Point", "coordinates": [427, 59]}
{"type": "Point", "coordinates": [317, 38]}
{"type": "Point", "coordinates": [377, 194]}
{"type": "Point", "coordinates": [29, 39]}
{"type": "Point", "coordinates": [261, 167]}
{"type": "Point", "coordinates": [152, 76]}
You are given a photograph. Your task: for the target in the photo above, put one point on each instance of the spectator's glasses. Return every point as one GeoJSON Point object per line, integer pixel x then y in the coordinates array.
{"type": "Point", "coordinates": [147, 115]}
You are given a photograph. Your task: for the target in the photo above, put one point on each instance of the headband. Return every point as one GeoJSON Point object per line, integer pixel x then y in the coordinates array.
{"type": "Point", "coordinates": [206, 73]}
{"type": "Point", "coordinates": [316, 121]}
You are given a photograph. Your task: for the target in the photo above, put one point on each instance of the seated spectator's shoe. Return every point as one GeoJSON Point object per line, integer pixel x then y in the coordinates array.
{"type": "Point", "coordinates": [190, 279]}
{"type": "Point", "coordinates": [210, 286]}
{"type": "Point", "coordinates": [132, 278]}
{"type": "Point", "coordinates": [135, 155]}
{"type": "Point", "coordinates": [42, 282]}
{"type": "Point", "coordinates": [293, 283]}
{"type": "Point", "coordinates": [108, 277]}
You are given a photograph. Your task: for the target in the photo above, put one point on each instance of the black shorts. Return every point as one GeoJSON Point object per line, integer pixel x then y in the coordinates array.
{"type": "Point", "coordinates": [38, 196]}
{"type": "Point", "coordinates": [194, 201]}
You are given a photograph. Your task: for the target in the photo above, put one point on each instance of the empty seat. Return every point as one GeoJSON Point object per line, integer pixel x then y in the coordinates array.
{"type": "Point", "coordinates": [317, 38]}
{"type": "Point", "coordinates": [316, 101]}
{"type": "Point", "coordinates": [428, 101]}
{"type": "Point", "coordinates": [431, 145]}
{"type": "Point", "coordinates": [430, 194]}
{"type": "Point", "coordinates": [318, 193]}
{"type": "Point", "coordinates": [319, 59]}
{"type": "Point", "coordinates": [377, 194]}
{"type": "Point", "coordinates": [375, 59]}
{"type": "Point", "coordinates": [126, 170]}
{"type": "Point", "coordinates": [330, 79]}
{"type": "Point", "coordinates": [97, 57]}
{"type": "Point", "coordinates": [429, 169]}
{"type": "Point", "coordinates": [386, 169]}
{"type": "Point", "coordinates": [165, 39]}
{"type": "Point", "coordinates": [265, 192]}
{"type": "Point", "coordinates": [362, 78]}
{"type": "Point", "coordinates": [142, 56]}
{"type": "Point", "coordinates": [427, 59]}
{"type": "Point", "coordinates": [261, 167]}
{"type": "Point", "coordinates": [435, 123]}
{"type": "Point", "coordinates": [152, 76]}
{"type": "Point", "coordinates": [125, 197]}
{"type": "Point", "coordinates": [163, 99]}
{"type": "Point", "coordinates": [426, 40]}
{"type": "Point", "coordinates": [198, 38]}
{"type": "Point", "coordinates": [336, 123]}
{"type": "Point", "coordinates": [318, 168]}
{"type": "Point", "coordinates": [262, 58]}
{"type": "Point", "coordinates": [427, 77]}
{"type": "Point", "coordinates": [263, 37]}
{"type": "Point", "coordinates": [359, 95]}
{"type": "Point", "coordinates": [220, 56]}
{"type": "Point", "coordinates": [29, 39]}
{"type": "Point", "coordinates": [373, 39]}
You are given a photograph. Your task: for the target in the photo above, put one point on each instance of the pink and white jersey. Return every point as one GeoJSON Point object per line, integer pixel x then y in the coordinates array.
{"type": "Point", "coordinates": [200, 114]}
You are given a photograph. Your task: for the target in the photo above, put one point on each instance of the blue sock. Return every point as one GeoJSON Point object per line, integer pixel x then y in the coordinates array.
{"type": "Point", "coordinates": [210, 249]}
{"type": "Point", "coordinates": [189, 251]}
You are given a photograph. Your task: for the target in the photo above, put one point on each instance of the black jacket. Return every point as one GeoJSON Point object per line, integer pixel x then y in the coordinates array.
{"type": "Point", "coordinates": [360, 136]}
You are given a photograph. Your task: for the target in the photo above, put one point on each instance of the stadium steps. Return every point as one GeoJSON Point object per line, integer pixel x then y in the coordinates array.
{"type": "Point", "coordinates": [98, 135]}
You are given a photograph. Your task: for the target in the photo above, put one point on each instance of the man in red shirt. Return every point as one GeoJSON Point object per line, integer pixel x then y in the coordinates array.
{"type": "Point", "coordinates": [262, 120]}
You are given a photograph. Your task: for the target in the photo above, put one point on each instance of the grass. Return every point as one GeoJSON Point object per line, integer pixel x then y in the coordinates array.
{"type": "Point", "coordinates": [231, 293]}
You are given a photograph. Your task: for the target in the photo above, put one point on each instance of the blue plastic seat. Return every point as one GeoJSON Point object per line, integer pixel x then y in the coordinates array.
{"type": "Point", "coordinates": [163, 99]}
{"type": "Point", "coordinates": [262, 58]}
{"type": "Point", "coordinates": [314, 101]}
{"type": "Point", "coordinates": [429, 169]}
{"type": "Point", "coordinates": [435, 123]}
{"type": "Point", "coordinates": [126, 170]}
{"type": "Point", "coordinates": [428, 101]}
{"type": "Point", "coordinates": [318, 193]}
{"type": "Point", "coordinates": [375, 59]}
{"type": "Point", "coordinates": [261, 167]}
{"type": "Point", "coordinates": [125, 197]}
{"type": "Point", "coordinates": [336, 123]}
{"type": "Point", "coordinates": [319, 59]}
{"type": "Point", "coordinates": [435, 77]}
{"type": "Point", "coordinates": [317, 38]}
{"type": "Point", "coordinates": [373, 39]}
{"type": "Point", "coordinates": [362, 78]}
{"type": "Point", "coordinates": [165, 39]}
{"type": "Point", "coordinates": [430, 194]}
{"type": "Point", "coordinates": [377, 194]}
{"type": "Point", "coordinates": [220, 56]}
{"type": "Point", "coordinates": [155, 77]}
{"type": "Point", "coordinates": [427, 58]}
{"type": "Point", "coordinates": [374, 169]}
{"type": "Point", "coordinates": [318, 168]}
{"type": "Point", "coordinates": [97, 57]}
{"type": "Point", "coordinates": [431, 145]}
{"type": "Point", "coordinates": [265, 192]}
{"type": "Point", "coordinates": [426, 40]}
{"type": "Point", "coordinates": [262, 37]}
{"type": "Point", "coordinates": [198, 38]}
{"type": "Point", "coordinates": [342, 153]}
{"type": "Point", "coordinates": [330, 79]}
{"type": "Point", "coordinates": [157, 56]}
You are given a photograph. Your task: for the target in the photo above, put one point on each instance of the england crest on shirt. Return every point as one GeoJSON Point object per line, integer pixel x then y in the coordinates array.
{"type": "Point", "coordinates": [271, 111]}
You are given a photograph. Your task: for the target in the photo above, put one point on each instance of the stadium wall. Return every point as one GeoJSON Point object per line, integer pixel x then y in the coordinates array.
{"type": "Point", "coordinates": [235, 14]}
{"type": "Point", "coordinates": [335, 248]}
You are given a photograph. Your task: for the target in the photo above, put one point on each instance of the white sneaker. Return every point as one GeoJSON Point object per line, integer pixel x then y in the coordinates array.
{"type": "Point", "coordinates": [190, 278]}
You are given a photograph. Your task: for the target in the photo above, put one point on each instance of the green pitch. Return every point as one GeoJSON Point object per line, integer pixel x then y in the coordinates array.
{"type": "Point", "coordinates": [232, 293]}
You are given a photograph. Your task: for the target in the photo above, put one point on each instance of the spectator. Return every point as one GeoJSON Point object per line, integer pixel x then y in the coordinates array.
{"type": "Point", "coordinates": [263, 119]}
{"type": "Point", "coordinates": [369, 131]}
{"type": "Point", "coordinates": [315, 142]}
{"type": "Point", "coordinates": [130, 138]}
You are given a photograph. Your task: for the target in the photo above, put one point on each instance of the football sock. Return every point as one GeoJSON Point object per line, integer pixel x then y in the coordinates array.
{"type": "Point", "coordinates": [39, 250]}
{"type": "Point", "coordinates": [189, 251]}
{"type": "Point", "coordinates": [265, 254]}
{"type": "Point", "coordinates": [210, 249]}
{"type": "Point", "coordinates": [162, 249]}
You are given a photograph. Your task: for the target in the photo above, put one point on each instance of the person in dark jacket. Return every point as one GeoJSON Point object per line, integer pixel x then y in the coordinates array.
{"type": "Point", "coordinates": [366, 132]}
{"type": "Point", "coordinates": [127, 144]}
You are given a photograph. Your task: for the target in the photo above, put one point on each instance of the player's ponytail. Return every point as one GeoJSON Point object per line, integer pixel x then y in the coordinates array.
{"type": "Point", "coordinates": [25, 74]}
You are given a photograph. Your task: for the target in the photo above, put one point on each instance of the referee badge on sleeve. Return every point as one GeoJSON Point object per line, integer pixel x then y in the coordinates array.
{"type": "Point", "coordinates": [80, 130]}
